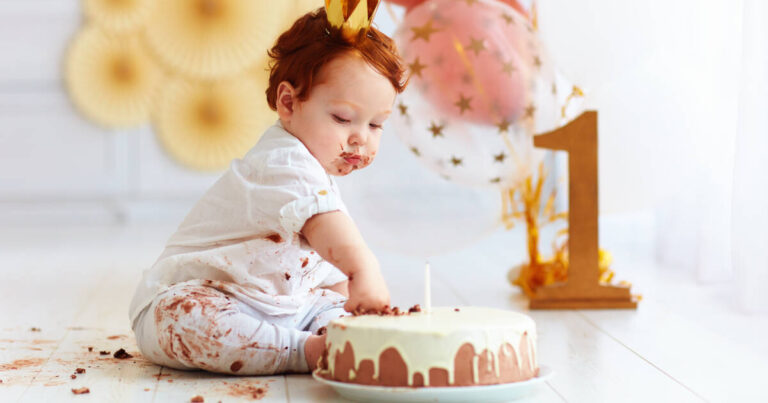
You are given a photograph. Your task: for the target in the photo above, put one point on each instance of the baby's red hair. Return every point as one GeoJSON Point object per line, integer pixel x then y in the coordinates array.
{"type": "Point", "coordinates": [308, 45]}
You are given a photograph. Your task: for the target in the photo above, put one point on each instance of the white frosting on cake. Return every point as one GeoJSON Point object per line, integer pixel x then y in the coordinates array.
{"type": "Point", "coordinates": [432, 340]}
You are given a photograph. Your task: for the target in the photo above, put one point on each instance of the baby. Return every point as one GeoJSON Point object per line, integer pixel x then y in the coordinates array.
{"type": "Point", "coordinates": [269, 255]}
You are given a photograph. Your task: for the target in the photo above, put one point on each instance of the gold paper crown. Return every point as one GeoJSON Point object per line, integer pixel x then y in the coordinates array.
{"type": "Point", "coordinates": [350, 17]}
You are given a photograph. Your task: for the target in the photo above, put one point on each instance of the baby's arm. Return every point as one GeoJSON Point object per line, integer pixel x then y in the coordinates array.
{"type": "Point", "coordinates": [335, 237]}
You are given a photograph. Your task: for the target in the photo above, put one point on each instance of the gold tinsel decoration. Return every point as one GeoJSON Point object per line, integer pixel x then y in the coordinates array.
{"type": "Point", "coordinates": [119, 16]}
{"type": "Point", "coordinates": [213, 38]}
{"type": "Point", "coordinates": [111, 78]}
{"type": "Point", "coordinates": [206, 125]}
{"type": "Point", "coordinates": [539, 272]}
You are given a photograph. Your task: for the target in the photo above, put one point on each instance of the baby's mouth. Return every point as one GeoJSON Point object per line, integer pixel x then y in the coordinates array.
{"type": "Point", "coordinates": [351, 159]}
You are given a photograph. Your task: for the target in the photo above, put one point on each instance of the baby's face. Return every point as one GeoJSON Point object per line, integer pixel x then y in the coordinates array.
{"type": "Point", "coordinates": [340, 122]}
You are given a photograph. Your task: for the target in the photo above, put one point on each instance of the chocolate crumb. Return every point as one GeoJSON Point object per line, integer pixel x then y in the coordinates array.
{"type": "Point", "coordinates": [81, 391]}
{"type": "Point", "coordinates": [103, 352]}
{"type": "Point", "coordinates": [276, 238]}
{"type": "Point", "coordinates": [415, 308]}
{"type": "Point", "coordinates": [121, 354]}
{"type": "Point", "coordinates": [197, 399]}
{"type": "Point", "coordinates": [80, 370]}
{"type": "Point", "coordinates": [90, 349]}
{"type": "Point", "coordinates": [73, 376]}
{"type": "Point", "coordinates": [287, 276]}
{"type": "Point", "coordinates": [259, 393]}
{"type": "Point", "coordinates": [236, 366]}
{"type": "Point", "coordinates": [323, 330]}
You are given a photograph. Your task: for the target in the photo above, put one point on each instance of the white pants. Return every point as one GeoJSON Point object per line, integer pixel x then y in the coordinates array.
{"type": "Point", "coordinates": [193, 326]}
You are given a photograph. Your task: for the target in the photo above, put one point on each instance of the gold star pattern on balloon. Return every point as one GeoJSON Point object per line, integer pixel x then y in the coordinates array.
{"type": "Point", "coordinates": [455, 161]}
{"type": "Point", "coordinates": [537, 62]}
{"type": "Point", "coordinates": [529, 111]}
{"type": "Point", "coordinates": [463, 103]}
{"type": "Point", "coordinates": [416, 67]}
{"type": "Point", "coordinates": [508, 68]}
{"type": "Point", "coordinates": [499, 157]}
{"type": "Point", "coordinates": [476, 45]}
{"type": "Point", "coordinates": [508, 18]}
{"type": "Point", "coordinates": [437, 130]}
{"type": "Point", "coordinates": [423, 32]}
{"type": "Point", "coordinates": [416, 151]}
{"type": "Point", "coordinates": [403, 108]}
{"type": "Point", "coordinates": [503, 126]}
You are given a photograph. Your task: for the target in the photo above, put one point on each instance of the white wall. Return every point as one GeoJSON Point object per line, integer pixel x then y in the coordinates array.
{"type": "Point", "coordinates": [662, 74]}
{"type": "Point", "coordinates": [55, 165]}
{"type": "Point", "coordinates": [664, 77]}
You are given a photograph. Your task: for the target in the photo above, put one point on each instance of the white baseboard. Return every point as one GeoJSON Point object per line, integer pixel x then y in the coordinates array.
{"type": "Point", "coordinates": [93, 212]}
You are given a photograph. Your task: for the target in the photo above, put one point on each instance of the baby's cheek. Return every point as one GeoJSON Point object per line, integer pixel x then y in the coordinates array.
{"type": "Point", "coordinates": [368, 159]}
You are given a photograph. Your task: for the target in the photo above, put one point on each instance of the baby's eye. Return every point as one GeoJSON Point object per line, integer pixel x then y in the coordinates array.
{"type": "Point", "coordinates": [339, 119]}
{"type": "Point", "coordinates": [375, 126]}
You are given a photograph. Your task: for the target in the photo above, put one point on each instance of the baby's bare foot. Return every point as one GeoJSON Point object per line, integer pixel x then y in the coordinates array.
{"type": "Point", "coordinates": [313, 350]}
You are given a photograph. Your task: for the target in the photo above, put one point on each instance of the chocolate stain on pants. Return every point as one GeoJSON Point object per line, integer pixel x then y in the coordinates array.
{"type": "Point", "coordinates": [194, 326]}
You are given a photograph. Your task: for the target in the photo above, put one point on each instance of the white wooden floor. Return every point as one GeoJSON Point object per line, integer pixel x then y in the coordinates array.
{"type": "Point", "coordinates": [684, 343]}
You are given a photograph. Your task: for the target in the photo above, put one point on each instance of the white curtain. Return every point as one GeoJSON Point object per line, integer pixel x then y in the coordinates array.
{"type": "Point", "coordinates": [750, 174]}
{"type": "Point", "coordinates": [719, 227]}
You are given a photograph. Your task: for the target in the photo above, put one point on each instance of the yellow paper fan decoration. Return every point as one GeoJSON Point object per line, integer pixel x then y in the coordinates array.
{"type": "Point", "coordinates": [206, 125]}
{"type": "Point", "coordinates": [111, 78]}
{"type": "Point", "coordinates": [213, 38]}
{"type": "Point", "coordinates": [119, 15]}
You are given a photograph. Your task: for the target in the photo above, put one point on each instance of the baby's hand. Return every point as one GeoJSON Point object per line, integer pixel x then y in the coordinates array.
{"type": "Point", "coordinates": [367, 291]}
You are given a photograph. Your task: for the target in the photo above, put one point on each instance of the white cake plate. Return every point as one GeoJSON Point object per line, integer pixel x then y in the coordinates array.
{"type": "Point", "coordinates": [486, 393]}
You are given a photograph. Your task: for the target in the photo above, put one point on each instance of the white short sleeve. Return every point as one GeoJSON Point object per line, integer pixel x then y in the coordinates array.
{"type": "Point", "coordinates": [291, 185]}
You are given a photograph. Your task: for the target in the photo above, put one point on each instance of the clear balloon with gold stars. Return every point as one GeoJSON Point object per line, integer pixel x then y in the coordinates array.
{"type": "Point", "coordinates": [481, 86]}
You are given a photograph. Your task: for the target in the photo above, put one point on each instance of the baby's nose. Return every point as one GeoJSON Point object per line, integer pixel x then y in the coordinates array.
{"type": "Point", "coordinates": [358, 137]}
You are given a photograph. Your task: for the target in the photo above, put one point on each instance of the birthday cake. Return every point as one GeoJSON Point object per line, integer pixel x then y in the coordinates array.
{"type": "Point", "coordinates": [445, 347]}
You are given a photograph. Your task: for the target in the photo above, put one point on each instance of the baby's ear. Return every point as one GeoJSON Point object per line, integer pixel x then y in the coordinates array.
{"type": "Point", "coordinates": [286, 95]}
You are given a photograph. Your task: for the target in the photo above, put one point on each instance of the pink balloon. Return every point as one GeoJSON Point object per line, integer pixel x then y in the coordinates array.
{"type": "Point", "coordinates": [409, 4]}
{"type": "Point", "coordinates": [472, 60]}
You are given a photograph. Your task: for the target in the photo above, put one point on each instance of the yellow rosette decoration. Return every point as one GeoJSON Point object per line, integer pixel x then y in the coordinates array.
{"type": "Point", "coordinates": [205, 125]}
{"type": "Point", "coordinates": [213, 38]}
{"type": "Point", "coordinates": [111, 78]}
{"type": "Point", "coordinates": [119, 15]}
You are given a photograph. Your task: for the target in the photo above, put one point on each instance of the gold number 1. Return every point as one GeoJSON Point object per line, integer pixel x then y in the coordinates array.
{"type": "Point", "coordinates": [583, 289]}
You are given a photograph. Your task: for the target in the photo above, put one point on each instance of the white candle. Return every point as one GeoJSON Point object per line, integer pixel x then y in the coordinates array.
{"type": "Point", "coordinates": [427, 293]}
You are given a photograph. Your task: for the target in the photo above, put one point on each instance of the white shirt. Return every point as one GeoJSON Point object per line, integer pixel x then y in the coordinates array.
{"type": "Point", "coordinates": [245, 231]}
